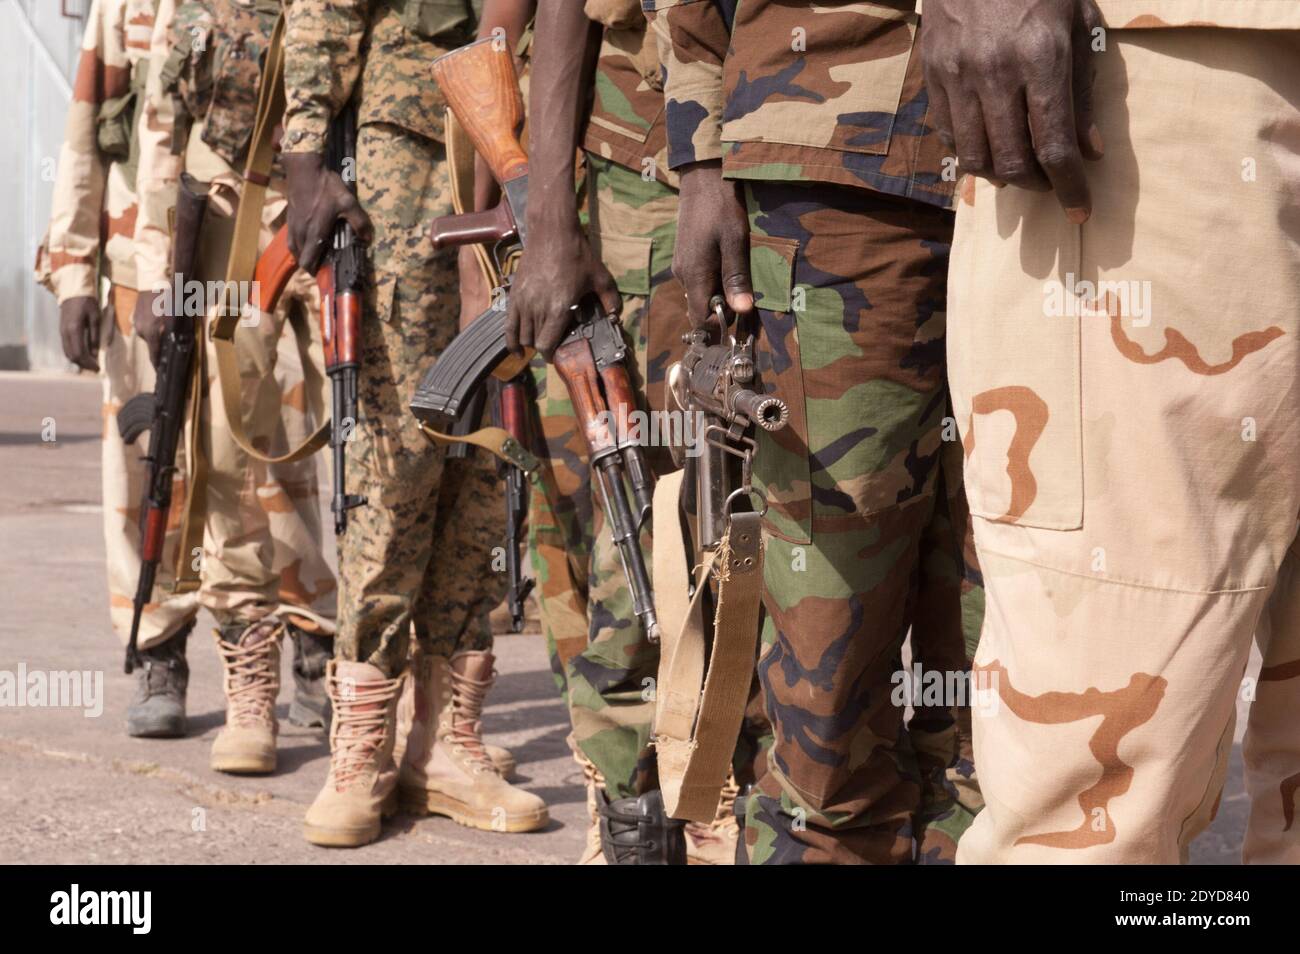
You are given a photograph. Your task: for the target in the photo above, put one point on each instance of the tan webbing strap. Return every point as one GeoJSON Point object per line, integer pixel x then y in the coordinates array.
{"type": "Point", "coordinates": [243, 261]}
{"type": "Point", "coordinates": [701, 695]}
{"type": "Point", "coordinates": [194, 510]}
{"type": "Point", "coordinates": [495, 439]}
{"type": "Point", "coordinates": [460, 167]}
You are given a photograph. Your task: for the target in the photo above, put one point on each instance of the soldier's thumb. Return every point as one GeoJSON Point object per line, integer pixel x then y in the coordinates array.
{"type": "Point", "coordinates": [735, 277]}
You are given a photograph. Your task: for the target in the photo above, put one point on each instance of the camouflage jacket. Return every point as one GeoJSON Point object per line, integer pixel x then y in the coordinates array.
{"type": "Point", "coordinates": [198, 112]}
{"type": "Point", "coordinates": [94, 210]}
{"type": "Point", "coordinates": [377, 51]}
{"type": "Point", "coordinates": [830, 92]}
{"type": "Point", "coordinates": [627, 120]}
{"type": "Point", "coordinates": [1249, 14]}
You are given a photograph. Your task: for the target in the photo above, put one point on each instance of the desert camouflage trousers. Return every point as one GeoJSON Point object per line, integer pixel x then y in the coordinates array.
{"type": "Point", "coordinates": [867, 534]}
{"type": "Point", "coordinates": [127, 371]}
{"type": "Point", "coordinates": [603, 663]}
{"type": "Point", "coordinates": [262, 542]}
{"type": "Point", "coordinates": [1126, 392]}
{"type": "Point", "coordinates": [421, 554]}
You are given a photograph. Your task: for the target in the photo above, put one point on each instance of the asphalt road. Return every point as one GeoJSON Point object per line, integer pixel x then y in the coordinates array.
{"type": "Point", "coordinates": [76, 789]}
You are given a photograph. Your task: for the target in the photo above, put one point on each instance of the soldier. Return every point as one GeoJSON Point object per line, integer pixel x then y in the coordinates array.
{"type": "Point", "coordinates": [89, 241]}
{"type": "Point", "coordinates": [420, 554]}
{"type": "Point", "coordinates": [263, 569]}
{"type": "Point", "coordinates": [1124, 373]}
{"type": "Point", "coordinates": [813, 195]}
{"type": "Point", "coordinates": [604, 664]}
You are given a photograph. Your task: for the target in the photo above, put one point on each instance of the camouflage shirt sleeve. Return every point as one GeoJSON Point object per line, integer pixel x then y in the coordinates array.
{"type": "Point", "coordinates": [159, 170]}
{"type": "Point", "coordinates": [693, 36]}
{"type": "Point", "coordinates": [321, 66]}
{"type": "Point", "coordinates": [74, 239]}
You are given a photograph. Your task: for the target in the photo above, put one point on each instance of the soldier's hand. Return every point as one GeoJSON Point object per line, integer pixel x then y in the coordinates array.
{"type": "Point", "coordinates": [557, 271]}
{"type": "Point", "coordinates": [148, 321]}
{"type": "Point", "coordinates": [79, 329]}
{"type": "Point", "coordinates": [712, 253]}
{"type": "Point", "coordinates": [318, 197]}
{"type": "Point", "coordinates": [1010, 85]}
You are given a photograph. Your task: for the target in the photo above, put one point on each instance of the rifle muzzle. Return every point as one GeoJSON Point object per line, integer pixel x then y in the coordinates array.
{"type": "Point", "coordinates": [768, 412]}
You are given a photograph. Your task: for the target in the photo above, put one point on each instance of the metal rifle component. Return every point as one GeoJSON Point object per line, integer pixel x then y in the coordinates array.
{"type": "Point", "coordinates": [162, 413]}
{"type": "Point", "coordinates": [341, 281]}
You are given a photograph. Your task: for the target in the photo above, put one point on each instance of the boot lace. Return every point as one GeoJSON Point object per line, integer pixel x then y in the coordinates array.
{"type": "Point", "coordinates": [360, 721]}
{"type": "Point", "coordinates": [252, 676]}
{"type": "Point", "coordinates": [464, 732]}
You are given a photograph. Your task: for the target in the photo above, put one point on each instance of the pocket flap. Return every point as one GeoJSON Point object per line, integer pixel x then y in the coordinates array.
{"type": "Point", "coordinates": [628, 259]}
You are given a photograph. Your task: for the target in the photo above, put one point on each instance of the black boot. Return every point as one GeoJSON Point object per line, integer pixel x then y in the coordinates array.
{"type": "Point", "coordinates": [637, 831]}
{"type": "Point", "coordinates": [161, 678]}
{"type": "Point", "coordinates": [311, 654]}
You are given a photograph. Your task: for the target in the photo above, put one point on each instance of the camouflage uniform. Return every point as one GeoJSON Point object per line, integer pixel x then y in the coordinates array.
{"type": "Point", "coordinates": [822, 113]}
{"type": "Point", "coordinates": [1126, 394]}
{"type": "Point", "coordinates": [378, 52]}
{"type": "Point", "coordinates": [262, 550]}
{"type": "Point", "coordinates": [603, 662]}
{"type": "Point", "coordinates": [89, 240]}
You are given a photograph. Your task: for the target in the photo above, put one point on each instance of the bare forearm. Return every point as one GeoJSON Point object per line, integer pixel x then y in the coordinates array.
{"type": "Point", "coordinates": [564, 50]}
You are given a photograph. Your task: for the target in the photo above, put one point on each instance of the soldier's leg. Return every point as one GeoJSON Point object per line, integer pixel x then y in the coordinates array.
{"type": "Point", "coordinates": [559, 523]}
{"type": "Point", "coordinates": [611, 682]}
{"type": "Point", "coordinates": [263, 563]}
{"type": "Point", "coordinates": [158, 707]}
{"type": "Point", "coordinates": [945, 633]}
{"type": "Point", "coordinates": [1132, 433]}
{"type": "Point", "coordinates": [409, 317]}
{"type": "Point", "coordinates": [850, 297]}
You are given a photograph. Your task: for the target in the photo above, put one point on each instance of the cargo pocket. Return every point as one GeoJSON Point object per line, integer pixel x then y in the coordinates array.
{"type": "Point", "coordinates": [781, 466]}
{"type": "Point", "coordinates": [1014, 358]}
{"type": "Point", "coordinates": [854, 110]}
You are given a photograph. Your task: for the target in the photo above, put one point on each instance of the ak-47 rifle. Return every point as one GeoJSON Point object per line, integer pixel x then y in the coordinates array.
{"type": "Point", "coordinates": [512, 412]}
{"type": "Point", "coordinates": [479, 84]}
{"type": "Point", "coordinates": [341, 280]}
{"type": "Point", "coordinates": [714, 383]}
{"type": "Point", "coordinates": [162, 413]}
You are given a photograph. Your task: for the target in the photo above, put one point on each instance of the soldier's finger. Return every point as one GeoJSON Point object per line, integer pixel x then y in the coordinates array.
{"type": "Point", "coordinates": [735, 273]}
{"type": "Point", "coordinates": [360, 222]}
{"type": "Point", "coordinates": [1006, 123]}
{"type": "Point", "coordinates": [1056, 145]}
{"type": "Point", "coordinates": [1085, 71]}
{"type": "Point", "coordinates": [92, 337]}
{"type": "Point", "coordinates": [313, 249]}
{"type": "Point", "coordinates": [512, 329]}
{"type": "Point", "coordinates": [526, 335]}
{"type": "Point", "coordinates": [970, 138]}
{"type": "Point", "coordinates": [940, 112]}
{"type": "Point", "coordinates": [607, 291]}
{"type": "Point", "coordinates": [552, 332]}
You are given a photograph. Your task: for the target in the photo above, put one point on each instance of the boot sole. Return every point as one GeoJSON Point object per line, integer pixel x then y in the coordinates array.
{"type": "Point", "coordinates": [341, 837]}
{"type": "Point", "coordinates": [433, 803]}
{"type": "Point", "coordinates": [234, 765]}
{"type": "Point", "coordinates": [163, 728]}
{"type": "Point", "coordinates": [350, 837]}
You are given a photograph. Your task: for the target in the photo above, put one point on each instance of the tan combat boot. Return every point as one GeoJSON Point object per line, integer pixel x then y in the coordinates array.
{"type": "Point", "coordinates": [445, 768]}
{"type": "Point", "coordinates": [251, 658]}
{"type": "Point", "coordinates": [362, 780]}
{"type": "Point", "coordinates": [592, 853]}
{"type": "Point", "coordinates": [714, 843]}
{"type": "Point", "coordinates": [421, 674]}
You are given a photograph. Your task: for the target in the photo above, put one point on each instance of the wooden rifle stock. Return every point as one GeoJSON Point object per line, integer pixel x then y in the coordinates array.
{"type": "Point", "coordinates": [479, 84]}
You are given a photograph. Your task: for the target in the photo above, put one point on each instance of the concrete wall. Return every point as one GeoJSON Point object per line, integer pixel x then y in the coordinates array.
{"type": "Point", "coordinates": [38, 56]}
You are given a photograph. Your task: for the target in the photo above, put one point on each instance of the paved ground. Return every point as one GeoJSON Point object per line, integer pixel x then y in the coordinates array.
{"type": "Point", "coordinates": [77, 790]}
